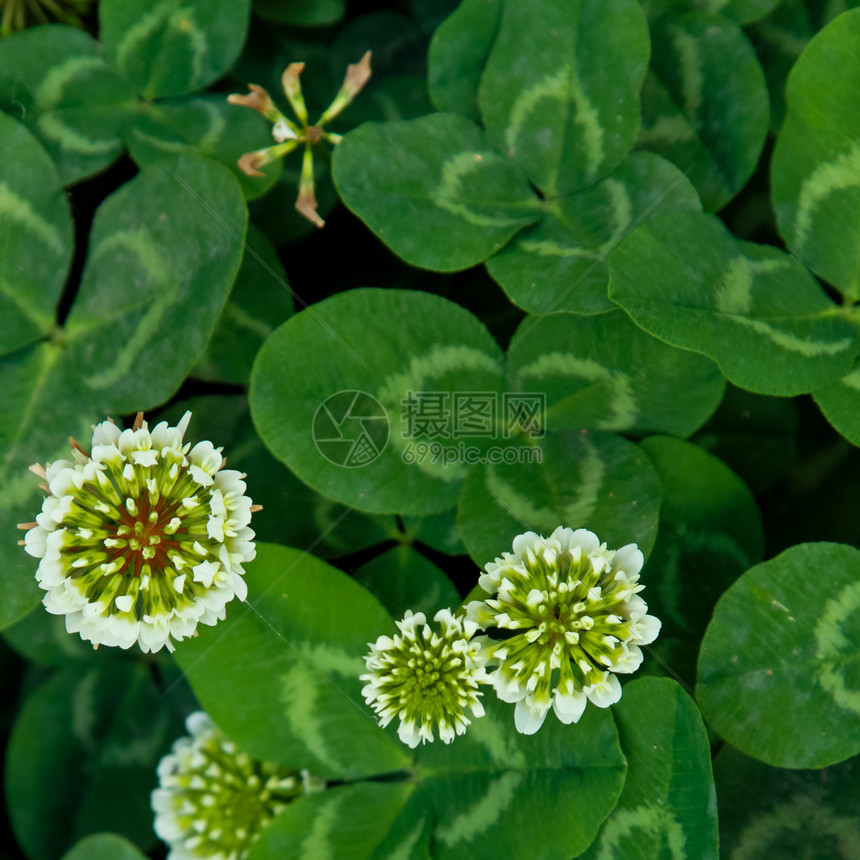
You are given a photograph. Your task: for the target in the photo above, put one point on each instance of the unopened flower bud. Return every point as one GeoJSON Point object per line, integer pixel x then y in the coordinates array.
{"type": "Point", "coordinates": [427, 679]}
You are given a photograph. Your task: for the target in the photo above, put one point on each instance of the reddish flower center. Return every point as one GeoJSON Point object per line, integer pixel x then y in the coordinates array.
{"type": "Point", "coordinates": [144, 535]}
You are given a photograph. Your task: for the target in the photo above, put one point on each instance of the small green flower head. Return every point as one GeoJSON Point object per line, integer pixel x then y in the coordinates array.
{"type": "Point", "coordinates": [214, 800]}
{"type": "Point", "coordinates": [143, 538]}
{"type": "Point", "coordinates": [426, 678]}
{"type": "Point", "coordinates": [573, 617]}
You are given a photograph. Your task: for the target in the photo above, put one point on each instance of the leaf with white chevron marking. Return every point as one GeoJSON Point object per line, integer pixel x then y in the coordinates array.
{"type": "Point", "coordinates": [172, 47]}
{"type": "Point", "coordinates": [753, 309]}
{"type": "Point", "coordinates": [815, 173]}
{"type": "Point", "coordinates": [705, 102]}
{"type": "Point", "coordinates": [559, 95]}
{"type": "Point", "coordinates": [560, 263]}
{"type": "Point", "coordinates": [55, 80]}
{"type": "Point", "coordinates": [583, 480]}
{"type": "Point", "coordinates": [297, 655]}
{"type": "Point", "coordinates": [35, 238]}
{"type": "Point", "coordinates": [433, 189]}
{"type": "Point", "coordinates": [605, 373]}
{"type": "Point", "coordinates": [668, 808]}
{"type": "Point", "coordinates": [779, 669]}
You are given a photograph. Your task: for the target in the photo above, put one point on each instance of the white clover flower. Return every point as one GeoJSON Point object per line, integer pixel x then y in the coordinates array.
{"type": "Point", "coordinates": [143, 538]}
{"type": "Point", "coordinates": [575, 619]}
{"type": "Point", "coordinates": [213, 800]}
{"type": "Point", "coordinates": [426, 678]}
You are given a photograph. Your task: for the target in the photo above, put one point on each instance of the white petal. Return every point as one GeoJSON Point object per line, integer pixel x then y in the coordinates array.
{"type": "Point", "coordinates": [281, 131]}
{"type": "Point", "coordinates": [108, 455]}
{"type": "Point", "coordinates": [635, 607]}
{"type": "Point", "coordinates": [124, 603]}
{"type": "Point", "coordinates": [562, 536]}
{"type": "Point", "coordinates": [35, 542]}
{"type": "Point", "coordinates": [164, 436]}
{"type": "Point", "coordinates": [215, 528]}
{"type": "Point", "coordinates": [230, 482]}
{"type": "Point", "coordinates": [50, 573]}
{"type": "Point", "coordinates": [446, 733]}
{"type": "Point", "coordinates": [477, 612]}
{"type": "Point", "coordinates": [216, 503]}
{"type": "Point", "coordinates": [524, 543]}
{"type": "Point", "coordinates": [240, 587]}
{"type": "Point", "coordinates": [606, 693]}
{"type": "Point", "coordinates": [57, 602]}
{"type": "Point", "coordinates": [205, 572]}
{"type": "Point", "coordinates": [629, 559]}
{"type": "Point", "coordinates": [508, 689]}
{"type": "Point", "coordinates": [489, 582]}
{"type": "Point", "coordinates": [201, 476]}
{"type": "Point", "coordinates": [646, 629]}
{"type": "Point", "coordinates": [123, 630]}
{"type": "Point", "coordinates": [629, 661]}
{"type": "Point", "coordinates": [528, 719]}
{"type": "Point", "coordinates": [45, 518]}
{"type": "Point", "coordinates": [106, 433]}
{"type": "Point", "coordinates": [409, 734]}
{"type": "Point", "coordinates": [182, 426]}
{"type": "Point", "coordinates": [569, 707]}
{"type": "Point", "coordinates": [61, 477]}
{"type": "Point", "coordinates": [168, 829]}
{"type": "Point", "coordinates": [204, 455]}
{"type": "Point", "coordinates": [134, 440]}
{"type": "Point", "coordinates": [144, 458]}
{"type": "Point", "coordinates": [199, 724]}
{"type": "Point", "coordinates": [410, 621]}
{"type": "Point", "coordinates": [588, 541]}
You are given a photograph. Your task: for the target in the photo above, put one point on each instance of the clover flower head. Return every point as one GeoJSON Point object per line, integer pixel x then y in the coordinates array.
{"type": "Point", "coordinates": [142, 538]}
{"type": "Point", "coordinates": [214, 800]}
{"type": "Point", "coordinates": [426, 678]}
{"type": "Point", "coordinates": [572, 618]}
{"type": "Point", "coordinates": [290, 134]}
